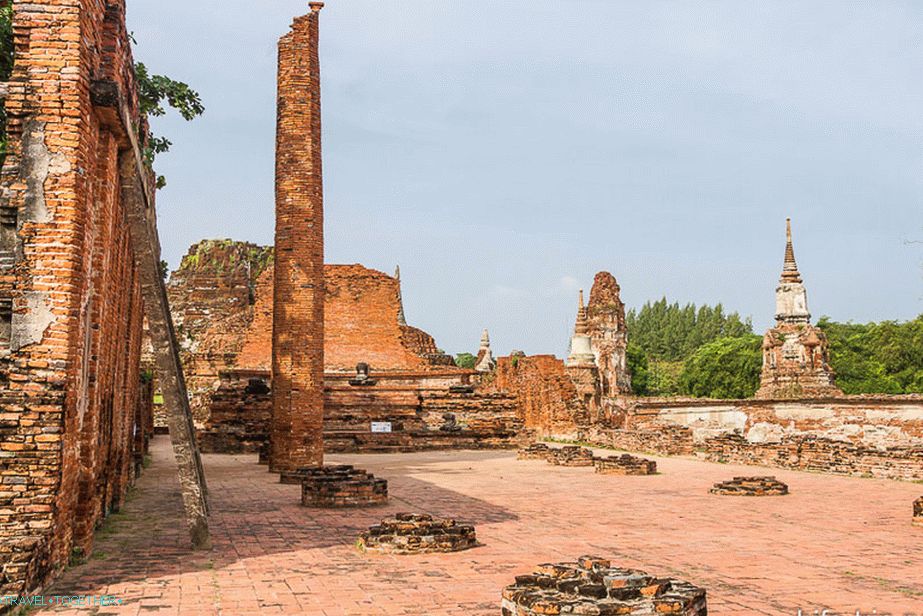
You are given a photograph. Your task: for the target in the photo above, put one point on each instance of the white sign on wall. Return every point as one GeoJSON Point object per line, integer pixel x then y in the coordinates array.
{"type": "Point", "coordinates": [381, 426]}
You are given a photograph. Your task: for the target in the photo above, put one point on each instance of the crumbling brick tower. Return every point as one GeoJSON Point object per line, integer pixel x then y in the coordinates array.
{"type": "Point", "coordinates": [70, 297]}
{"type": "Point", "coordinates": [298, 299]}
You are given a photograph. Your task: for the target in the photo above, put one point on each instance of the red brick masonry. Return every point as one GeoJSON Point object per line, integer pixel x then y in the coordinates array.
{"type": "Point", "coordinates": [593, 586]}
{"type": "Point", "coordinates": [417, 533]}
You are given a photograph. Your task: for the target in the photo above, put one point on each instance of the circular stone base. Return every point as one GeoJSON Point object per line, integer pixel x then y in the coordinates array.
{"type": "Point", "coordinates": [592, 586]}
{"type": "Point", "coordinates": [625, 465]}
{"type": "Point", "coordinates": [751, 486]}
{"type": "Point", "coordinates": [410, 533]}
{"type": "Point", "coordinates": [338, 486]}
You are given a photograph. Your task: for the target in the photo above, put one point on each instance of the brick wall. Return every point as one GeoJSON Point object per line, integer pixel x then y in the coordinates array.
{"type": "Point", "coordinates": [212, 296]}
{"type": "Point", "coordinates": [422, 412]}
{"type": "Point", "coordinates": [880, 436]}
{"type": "Point", "coordinates": [547, 399]}
{"type": "Point", "coordinates": [70, 386]}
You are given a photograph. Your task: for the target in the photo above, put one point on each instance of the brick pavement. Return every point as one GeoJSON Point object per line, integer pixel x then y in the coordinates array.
{"type": "Point", "coordinates": [836, 542]}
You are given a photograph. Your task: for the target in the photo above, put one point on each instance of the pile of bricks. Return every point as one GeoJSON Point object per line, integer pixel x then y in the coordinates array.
{"type": "Point", "coordinates": [751, 486]}
{"type": "Point", "coordinates": [571, 455]}
{"type": "Point", "coordinates": [625, 464]}
{"type": "Point", "coordinates": [918, 512]}
{"type": "Point", "coordinates": [592, 586]}
{"type": "Point", "coordinates": [535, 451]}
{"type": "Point", "coordinates": [413, 533]}
{"type": "Point", "coordinates": [337, 486]}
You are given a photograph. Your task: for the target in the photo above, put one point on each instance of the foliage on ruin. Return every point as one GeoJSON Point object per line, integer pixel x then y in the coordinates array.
{"type": "Point", "coordinates": [6, 66]}
{"type": "Point", "coordinates": [155, 94]}
{"type": "Point", "coordinates": [885, 357]}
{"type": "Point", "coordinates": [465, 360]}
{"type": "Point", "coordinates": [724, 368]}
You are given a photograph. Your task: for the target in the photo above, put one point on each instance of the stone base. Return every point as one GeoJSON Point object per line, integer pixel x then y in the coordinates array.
{"type": "Point", "coordinates": [918, 512]}
{"type": "Point", "coordinates": [592, 586]}
{"type": "Point", "coordinates": [338, 486]}
{"type": "Point", "coordinates": [625, 464]}
{"type": "Point", "coordinates": [535, 451]}
{"type": "Point", "coordinates": [751, 486]}
{"type": "Point", "coordinates": [410, 533]}
{"type": "Point", "coordinates": [571, 456]}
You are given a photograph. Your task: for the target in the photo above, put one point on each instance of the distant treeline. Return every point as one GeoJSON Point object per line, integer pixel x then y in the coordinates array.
{"type": "Point", "coordinates": [705, 352]}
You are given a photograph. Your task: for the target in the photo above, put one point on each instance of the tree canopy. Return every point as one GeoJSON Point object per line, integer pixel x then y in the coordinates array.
{"type": "Point", "coordinates": [465, 360]}
{"type": "Point", "coordinates": [672, 332]}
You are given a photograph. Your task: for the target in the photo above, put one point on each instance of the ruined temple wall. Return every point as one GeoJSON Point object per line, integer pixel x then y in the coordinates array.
{"type": "Point", "coordinates": [879, 436]}
{"type": "Point", "coordinates": [547, 399]}
{"type": "Point", "coordinates": [70, 308]}
{"type": "Point", "coordinates": [420, 413]}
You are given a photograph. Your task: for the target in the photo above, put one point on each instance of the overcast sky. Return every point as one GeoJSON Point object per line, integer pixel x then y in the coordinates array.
{"type": "Point", "coordinates": [504, 152]}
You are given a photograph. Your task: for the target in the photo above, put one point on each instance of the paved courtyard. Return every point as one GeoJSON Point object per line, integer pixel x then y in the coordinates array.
{"type": "Point", "coordinates": [840, 543]}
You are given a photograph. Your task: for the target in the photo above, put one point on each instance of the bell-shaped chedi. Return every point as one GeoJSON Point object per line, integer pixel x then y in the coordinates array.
{"type": "Point", "coordinates": [795, 355]}
{"type": "Point", "coordinates": [608, 335]}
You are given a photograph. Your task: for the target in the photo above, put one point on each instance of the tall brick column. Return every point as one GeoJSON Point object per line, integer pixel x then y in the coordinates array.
{"type": "Point", "coordinates": [298, 306]}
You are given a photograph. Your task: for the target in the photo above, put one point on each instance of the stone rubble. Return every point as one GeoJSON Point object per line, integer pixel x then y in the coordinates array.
{"type": "Point", "coordinates": [751, 486]}
{"type": "Point", "coordinates": [625, 464]}
{"type": "Point", "coordinates": [593, 586]}
{"type": "Point", "coordinates": [415, 533]}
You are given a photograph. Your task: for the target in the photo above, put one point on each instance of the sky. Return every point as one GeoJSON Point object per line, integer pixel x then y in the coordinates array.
{"type": "Point", "coordinates": [504, 152]}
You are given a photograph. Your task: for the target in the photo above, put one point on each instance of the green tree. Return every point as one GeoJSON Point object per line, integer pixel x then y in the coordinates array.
{"type": "Point", "coordinates": [465, 360]}
{"type": "Point", "coordinates": [155, 94]}
{"type": "Point", "coordinates": [640, 372]}
{"type": "Point", "coordinates": [724, 368]}
{"type": "Point", "coordinates": [672, 332]}
{"type": "Point", "coordinates": [6, 67]}
{"type": "Point", "coordinates": [871, 358]}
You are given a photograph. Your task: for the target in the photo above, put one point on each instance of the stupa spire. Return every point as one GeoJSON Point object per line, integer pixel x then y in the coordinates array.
{"type": "Point", "coordinates": [790, 271]}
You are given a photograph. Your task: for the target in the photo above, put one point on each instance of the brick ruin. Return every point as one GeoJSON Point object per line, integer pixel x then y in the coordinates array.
{"type": "Point", "coordinates": [572, 455]}
{"type": "Point", "coordinates": [336, 487]}
{"type": "Point", "coordinates": [591, 585]}
{"type": "Point", "coordinates": [625, 464]}
{"type": "Point", "coordinates": [76, 408]}
{"type": "Point", "coordinates": [415, 387]}
{"type": "Point", "coordinates": [750, 486]}
{"type": "Point", "coordinates": [212, 299]}
{"type": "Point", "coordinates": [417, 533]}
{"type": "Point", "coordinates": [795, 357]}
{"type": "Point", "coordinates": [296, 428]}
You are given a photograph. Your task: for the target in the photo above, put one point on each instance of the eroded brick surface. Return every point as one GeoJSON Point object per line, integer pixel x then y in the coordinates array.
{"type": "Point", "coordinates": [750, 486]}
{"type": "Point", "coordinates": [591, 585]}
{"type": "Point", "coordinates": [73, 423]}
{"type": "Point", "coordinates": [417, 533]}
{"type": "Point", "coordinates": [625, 464]}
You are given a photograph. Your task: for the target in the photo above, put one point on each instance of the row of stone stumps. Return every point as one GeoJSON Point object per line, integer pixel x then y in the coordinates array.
{"type": "Point", "coordinates": [593, 586]}
{"type": "Point", "coordinates": [572, 455]}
